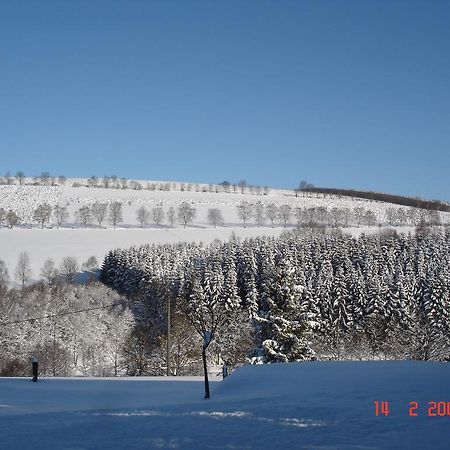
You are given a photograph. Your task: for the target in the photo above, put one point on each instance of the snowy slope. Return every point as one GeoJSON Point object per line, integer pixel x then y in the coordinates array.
{"type": "Point", "coordinates": [72, 240]}
{"type": "Point", "coordinates": [316, 405]}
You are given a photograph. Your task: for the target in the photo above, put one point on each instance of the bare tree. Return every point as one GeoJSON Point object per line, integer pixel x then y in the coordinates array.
{"type": "Point", "coordinates": [115, 182]}
{"type": "Point", "coordinates": [23, 269]}
{"type": "Point", "coordinates": [84, 215]}
{"type": "Point", "coordinates": [245, 211]}
{"type": "Point", "coordinates": [260, 216]}
{"type": "Point", "coordinates": [8, 178]}
{"type": "Point", "coordinates": [298, 213]}
{"type": "Point", "coordinates": [186, 213]}
{"type": "Point", "coordinates": [106, 181]}
{"type": "Point", "coordinates": [391, 215]}
{"type": "Point", "coordinates": [143, 216]}
{"type": "Point", "coordinates": [92, 181]}
{"type": "Point", "coordinates": [346, 216]}
{"type": "Point", "coordinates": [12, 219]}
{"type": "Point", "coordinates": [124, 183]}
{"type": "Point", "coordinates": [69, 268]}
{"type": "Point", "coordinates": [62, 180]}
{"type": "Point", "coordinates": [215, 217]}
{"type": "Point", "coordinates": [115, 213]}
{"type": "Point", "coordinates": [272, 212]}
{"type": "Point", "coordinates": [171, 214]}
{"type": "Point", "coordinates": [226, 186]}
{"type": "Point", "coordinates": [20, 177]}
{"type": "Point", "coordinates": [358, 214]}
{"type": "Point", "coordinates": [90, 264]}
{"type": "Point", "coordinates": [99, 211]}
{"type": "Point", "coordinates": [45, 178]}
{"type": "Point", "coordinates": [370, 218]}
{"type": "Point", "coordinates": [49, 271]}
{"type": "Point", "coordinates": [242, 184]}
{"type": "Point", "coordinates": [285, 214]}
{"type": "Point", "coordinates": [158, 215]}
{"type": "Point", "coordinates": [310, 216]}
{"type": "Point", "coordinates": [61, 215]}
{"type": "Point", "coordinates": [42, 214]}
{"type": "Point", "coordinates": [336, 214]}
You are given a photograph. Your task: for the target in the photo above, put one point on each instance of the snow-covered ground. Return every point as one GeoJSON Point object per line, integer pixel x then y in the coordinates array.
{"type": "Point", "coordinates": [82, 243]}
{"type": "Point", "coordinates": [314, 405]}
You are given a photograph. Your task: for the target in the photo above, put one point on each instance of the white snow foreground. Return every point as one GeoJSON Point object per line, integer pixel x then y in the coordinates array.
{"type": "Point", "coordinates": [313, 405]}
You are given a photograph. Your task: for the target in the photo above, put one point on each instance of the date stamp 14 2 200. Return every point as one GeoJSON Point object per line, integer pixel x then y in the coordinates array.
{"type": "Point", "coordinates": [433, 409]}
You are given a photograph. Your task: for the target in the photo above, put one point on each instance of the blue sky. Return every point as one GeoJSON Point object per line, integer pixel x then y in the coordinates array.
{"type": "Point", "coordinates": [340, 93]}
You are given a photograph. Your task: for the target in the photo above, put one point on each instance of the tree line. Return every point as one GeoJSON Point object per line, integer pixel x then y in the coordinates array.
{"type": "Point", "coordinates": [115, 182]}
{"type": "Point", "coordinates": [305, 295]}
{"type": "Point", "coordinates": [256, 213]}
{"type": "Point", "coordinates": [414, 202]}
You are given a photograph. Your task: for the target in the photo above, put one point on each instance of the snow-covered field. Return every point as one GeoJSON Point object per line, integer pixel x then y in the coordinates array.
{"type": "Point", "coordinates": [314, 405]}
{"type": "Point", "coordinates": [82, 243]}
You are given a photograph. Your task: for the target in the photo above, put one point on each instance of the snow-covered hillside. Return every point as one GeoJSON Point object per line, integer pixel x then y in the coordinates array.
{"type": "Point", "coordinates": [84, 241]}
{"type": "Point", "coordinates": [314, 405]}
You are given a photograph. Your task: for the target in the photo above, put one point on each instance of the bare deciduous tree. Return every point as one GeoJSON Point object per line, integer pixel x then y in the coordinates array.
{"type": "Point", "coordinates": [12, 219]}
{"type": "Point", "coordinates": [42, 214]}
{"type": "Point", "coordinates": [298, 212]}
{"type": "Point", "coordinates": [370, 218]}
{"type": "Point", "coordinates": [20, 177]}
{"type": "Point", "coordinates": [45, 178]}
{"type": "Point", "coordinates": [106, 181]}
{"type": "Point", "coordinates": [99, 211]}
{"type": "Point", "coordinates": [285, 214]}
{"type": "Point", "coordinates": [61, 215]}
{"type": "Point", "coordinates": [92, 181]}
{"type": "Point", "coordinates": [260, 216]}
{"type": "Point", "coordinates": [158, 215]}
{"type": "Point", "coordinates": [69, 268]}
{"type": "Point", "coordinates": [242, 184]}
{"type": "Point", "coordinates": [49, 271]}
{"type": "Point", "coordinates": [115, 213]}
{"type": "Point", "coordinates": [23, 269]}
{"type": "Point", "coordinates": [215, 217]}
{"type": "Point", "coordinates": [245, 211]}
{"type": "Point", "coordinates": [90, 264]}
{"type": "Point", "coordinates": [358, 214]}
{"type": "Point", "coordinates": [143, 216]}
{"type": "Point", "coordinates": [171, 215]}
{"type": "Point", "coordinates": [186, 213]}
{"type": "Point", "coordinates": [84, 215]}
{"type": "Point", "coordinates": [336, 214]}
{"type": "Point", "coordinates": [272, 212]}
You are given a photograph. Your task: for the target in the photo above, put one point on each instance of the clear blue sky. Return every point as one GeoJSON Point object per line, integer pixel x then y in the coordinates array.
{"type": "Point", "coordinates": [340, 93]}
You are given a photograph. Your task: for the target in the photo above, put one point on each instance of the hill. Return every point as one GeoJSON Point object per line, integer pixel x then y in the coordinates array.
{"type": "Point", "coordinates": [82, 238]}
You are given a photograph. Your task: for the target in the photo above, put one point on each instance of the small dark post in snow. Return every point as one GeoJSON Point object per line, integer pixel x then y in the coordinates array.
{"type": "Point", "coordinates": [35, 364]}
{"type": "Point", "coordinates": [224, 370]}
{"type": "Point", "coordinates": [168, 338]}
{"type": "Point", "coordinates": [207, 338]}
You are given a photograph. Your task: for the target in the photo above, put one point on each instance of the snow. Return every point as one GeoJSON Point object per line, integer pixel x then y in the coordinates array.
{"type": "Point", "coordinates": [81, 243]}
{"type": "Point", "coordinates": [314, 405]}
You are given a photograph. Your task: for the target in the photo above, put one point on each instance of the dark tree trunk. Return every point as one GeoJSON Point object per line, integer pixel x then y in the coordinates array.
{"type": "Point", "coordinates": [205, 371]}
